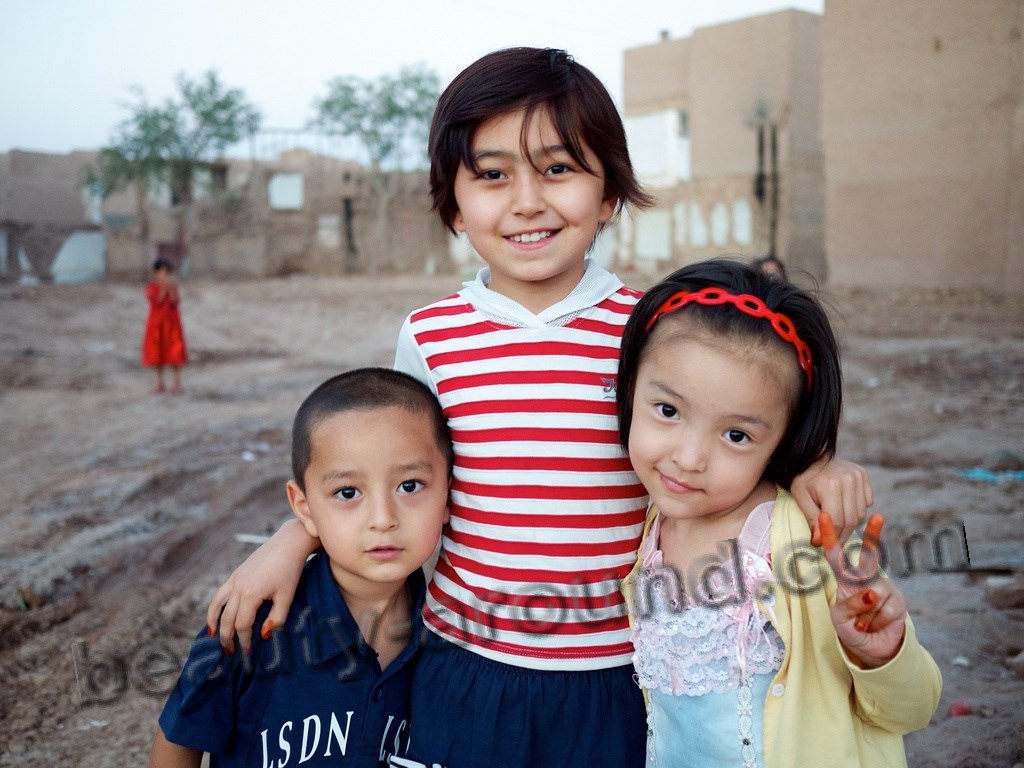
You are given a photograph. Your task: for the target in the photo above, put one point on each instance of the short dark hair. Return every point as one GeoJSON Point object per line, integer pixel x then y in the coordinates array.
{"type": "Point", "coordinates": [529, 79]}
{"type": "Point", "coordinates": [364, 389]}
{"type": "Point", "coordinates": [162, 264]}
{"type": "Point", "coordinates": [814, 421]}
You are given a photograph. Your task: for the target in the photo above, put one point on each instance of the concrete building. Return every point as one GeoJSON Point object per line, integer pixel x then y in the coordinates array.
{"type": "Point", "coordinates": [724, 130]}
{"type": "Point", "coordinates": [923, 126]}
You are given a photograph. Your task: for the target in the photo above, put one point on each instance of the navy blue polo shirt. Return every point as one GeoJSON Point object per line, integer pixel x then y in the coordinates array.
{"type": "Point", "coordinates": [313, 693]}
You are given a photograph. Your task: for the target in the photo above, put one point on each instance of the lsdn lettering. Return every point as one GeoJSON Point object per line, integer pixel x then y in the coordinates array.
{"type": "Point", "coordinates": [335, 741]}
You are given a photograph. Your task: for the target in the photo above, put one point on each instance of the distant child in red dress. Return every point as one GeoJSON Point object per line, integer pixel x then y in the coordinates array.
{"type": "Point", "coordinates": [164, 342]}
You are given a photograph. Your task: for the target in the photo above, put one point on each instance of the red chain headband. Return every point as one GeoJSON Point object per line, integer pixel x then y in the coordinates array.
{"type": "Point", "coordinates": [748, 305]}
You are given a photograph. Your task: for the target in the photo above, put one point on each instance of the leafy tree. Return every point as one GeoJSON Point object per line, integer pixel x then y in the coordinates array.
{"type": "Point", "coordinates": [135, 158]}
{"type": "Point", "coordinates": [388, 116]}
{"type": "Point", "coordinates": [170, 142]}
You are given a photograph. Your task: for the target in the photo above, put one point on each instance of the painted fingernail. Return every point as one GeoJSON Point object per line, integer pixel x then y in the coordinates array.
{"type": "Point", "coordinates": [828, 531]}
{"type": "Point", "coordinates": [267, 629]}
{"type": "Point", "coordinates": [873, 530]}
{"type": "Point", "coordinates": [211, 630]}
{"type": "Point", "coordinates": [229, 651]}
{"type": "Point", "coordinates": [861, 626]}
{"type": "Point", "coordinates": [869, 597]}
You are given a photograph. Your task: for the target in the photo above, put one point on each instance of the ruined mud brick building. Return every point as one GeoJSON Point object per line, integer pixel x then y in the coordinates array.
{"type": "Point", "coordinates": [299, 212]}
{"type": "Point", "coordinates": [45, 207]}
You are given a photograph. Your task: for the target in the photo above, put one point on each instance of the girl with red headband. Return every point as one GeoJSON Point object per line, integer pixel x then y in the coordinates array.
{"type": "Point", "coordinates": [752, 646]}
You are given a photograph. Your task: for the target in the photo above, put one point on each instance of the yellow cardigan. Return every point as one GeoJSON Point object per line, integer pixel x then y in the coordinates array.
{"type": "Point", "coordinates": [821, 708]}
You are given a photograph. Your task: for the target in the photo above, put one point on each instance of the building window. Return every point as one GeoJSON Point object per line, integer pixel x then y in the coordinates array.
{"type": "Point", "coordinates": [683, 170]}
{"type": "Point", "coordinates": [219, 177]}
{"type": "Point", "coordinates": [659, 146]}
{"type": "Point", "coordinates": [285, 191]}
{"type": "Point", "coordinates": [698, 228]}
{"type": "Point", "coordinates": [654, 235]}
{"type": "Point", "coordinates": [328, 230]}
{"type": "Point", "coordinates": [719, 224]}
{"type": "Point", "coordinates": [742, 221]}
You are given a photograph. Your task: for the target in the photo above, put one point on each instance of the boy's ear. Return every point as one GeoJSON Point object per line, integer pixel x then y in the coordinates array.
{"type": "Point", "coordinates": [608, 206]}
{"type": "Point", "coordinates": [300, 506]}
{"type": "Point", "coordinates": [458, 223]}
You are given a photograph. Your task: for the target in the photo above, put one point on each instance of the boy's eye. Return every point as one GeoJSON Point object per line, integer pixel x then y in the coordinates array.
{"type": "Point", "coordinates": [348, 493]}
{"type": "Point", "coordinates": [410, 486]}
{"type": "Point", "coordinates": [666, 410]}
{"type": "Point", "coordinates": [736, 436]}
{"type": "Point", "coordinates": [558, 169]}
{"type": "Point", "coordinates": [492, 175]}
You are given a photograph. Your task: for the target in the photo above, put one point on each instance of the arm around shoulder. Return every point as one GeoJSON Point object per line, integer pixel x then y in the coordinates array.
{"type": "Point", "coordinates": [900, 696]}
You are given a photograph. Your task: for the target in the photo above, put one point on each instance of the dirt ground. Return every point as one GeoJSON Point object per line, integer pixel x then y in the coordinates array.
{"type": "Point", "coordinates": [120, 510]}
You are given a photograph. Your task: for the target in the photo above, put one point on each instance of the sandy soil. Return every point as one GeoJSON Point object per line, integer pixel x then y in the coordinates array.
{"type": "Point", "coordinates": [120, 509]}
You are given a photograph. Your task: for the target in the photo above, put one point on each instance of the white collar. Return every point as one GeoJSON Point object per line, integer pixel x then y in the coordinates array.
{"type": "Point", "coordinates": [596, 285]}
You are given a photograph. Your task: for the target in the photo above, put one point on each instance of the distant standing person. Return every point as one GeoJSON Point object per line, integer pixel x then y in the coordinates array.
{"type": "Point", "coordinates": [164, 341]}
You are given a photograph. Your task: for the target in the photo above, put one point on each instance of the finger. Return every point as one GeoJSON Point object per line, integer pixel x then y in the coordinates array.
{"type": "Point", "coordinates": [873, 530]}
{"type": "Point", "coordinates": [870, 544]}
{"type": "Point", "coordinates": [245, 639]}
{"type": "Point", "coordinates": [857, 606]}
{"type": "Point", "coordinates": [867, 491]}
{"type": "Point", "coordinates": [834, 554]}
{"type": "Point", "coordinates": [871, 607]}
{"type": "Point", "coordinates": [891, 608]}
{"type": "Point", "coordinates": [828, 531]}
{"type": "Point", "coordinates": [244, 619]}
{"type": "Point", "coordinates": [215, 607]}
{"type": "Point", "coordinates": [267, 629]}
{"type": "Point", "coordinates": [227, 623]}
{"type": "Point", "coordinates": [869, 558]}
{"type": "Point", "coordinates": [279, 610]}
{"type": "Point", "coordinates": [849, 579]}
{"type": "Point", "coordinates": [853, 509]}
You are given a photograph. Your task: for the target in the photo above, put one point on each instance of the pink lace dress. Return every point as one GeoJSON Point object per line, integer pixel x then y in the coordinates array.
{"type": "Point", "coordinates": [705, 652]}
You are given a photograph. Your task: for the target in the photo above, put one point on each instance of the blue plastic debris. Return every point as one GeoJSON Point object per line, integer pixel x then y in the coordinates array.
{"type": "Point", "coordinates": [988, 476]}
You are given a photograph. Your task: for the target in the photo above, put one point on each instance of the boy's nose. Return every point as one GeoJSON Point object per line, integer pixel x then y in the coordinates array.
{"type": "Point", "coordinates": [382, 515]}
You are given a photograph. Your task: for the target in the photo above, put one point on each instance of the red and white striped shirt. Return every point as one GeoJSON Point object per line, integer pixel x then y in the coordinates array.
{"type": "Point", "coordinates": [546, 512]}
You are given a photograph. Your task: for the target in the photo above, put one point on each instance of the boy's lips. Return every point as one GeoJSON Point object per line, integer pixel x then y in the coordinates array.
{"type": "Point", "coordinates": [384, 552]}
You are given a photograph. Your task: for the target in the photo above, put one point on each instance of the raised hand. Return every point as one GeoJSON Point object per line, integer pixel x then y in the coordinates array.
{"type": "Point", "coordinates": [869, 612]}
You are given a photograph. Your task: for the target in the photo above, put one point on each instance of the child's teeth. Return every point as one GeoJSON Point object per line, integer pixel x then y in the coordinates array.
{"type": "Point", "coordinates": [533, 237]}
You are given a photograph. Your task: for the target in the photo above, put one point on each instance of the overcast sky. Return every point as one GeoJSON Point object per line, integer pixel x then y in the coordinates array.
{"type": "Point", "coordinates": [66, 66]}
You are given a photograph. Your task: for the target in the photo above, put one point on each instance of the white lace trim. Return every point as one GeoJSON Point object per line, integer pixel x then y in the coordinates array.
{"type": "Point", "coordinates": [695, 649]}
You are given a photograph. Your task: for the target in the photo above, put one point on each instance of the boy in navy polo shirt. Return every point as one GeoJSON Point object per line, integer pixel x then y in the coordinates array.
{"type": "Point", "coordinates": [371, 459]}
